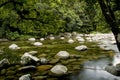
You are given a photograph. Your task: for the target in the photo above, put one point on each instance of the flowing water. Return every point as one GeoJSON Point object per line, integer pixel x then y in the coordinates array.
{"type": "Point", "coordinates": [94, 70]}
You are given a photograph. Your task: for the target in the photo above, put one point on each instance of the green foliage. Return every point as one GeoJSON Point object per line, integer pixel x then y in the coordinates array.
{"type": "Point", "coordinates": [41, 17]}
{"type": "Point", "coordinates": [13, 35]}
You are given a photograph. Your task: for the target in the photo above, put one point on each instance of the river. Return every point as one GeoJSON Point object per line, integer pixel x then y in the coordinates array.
{"type": "Point", "coordinates": [94, 70]}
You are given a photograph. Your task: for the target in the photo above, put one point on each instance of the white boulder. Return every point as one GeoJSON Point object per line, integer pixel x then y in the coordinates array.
{"type": "Point", "coordinates": [43, 60]}
{"type": "Point", "coordinates": [59, 70]}
{"type": "Point", "coordinates": [63, 54]}
{"type": "Point", "coordinates": [26, 58]}
{"type": "Point", "coordinates": [14, 47]}
{"type": "Point", "coordinates": [62, 38]}
{"type": "Point", "coordinates": [81, 48]}
{"type": "Point", "coordinates": [70, 41]}
{"type": "Point", "coordinates": [31, 39]}
{"type": "Point", "coordinates": [51, 37]}
{"type": "Point", "coordinates": [42, 39]}
{"type": "Point", "coordinates": [25, 77]}
{"type": "Point", "coordinates": [37, 44]}
{"type": "Point", "coordinates": [33, 52]}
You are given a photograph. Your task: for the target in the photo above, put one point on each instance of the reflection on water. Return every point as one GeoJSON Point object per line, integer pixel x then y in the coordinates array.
{"type": "Point", "coordinates": [94, 70]}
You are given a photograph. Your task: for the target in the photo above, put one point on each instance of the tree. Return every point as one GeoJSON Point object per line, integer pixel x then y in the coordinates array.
{"type": "Point", "coordinates": [109, 14]}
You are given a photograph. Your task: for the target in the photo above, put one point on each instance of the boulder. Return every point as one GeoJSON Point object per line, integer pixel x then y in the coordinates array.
{"type": "Point", "coordinates": [81, 48]}
{"type": "Point", "coordinates": [33, 52]}
{"type": "Point", "coordinates": [70, 41]}
{"type": "Point", "coordinates": [42, 39]}
{"type": "Point", "coordinates": [26, 58]}
{"type": "Point", "coordinates": [59, 70]}
{"type": "Point", "coordinates": [114, 70]}
{"type": "Point", "coordinates": [62, 38]}
{"type": "Point", "coordinates": [4, 62]}
{"type": "Point", "coordinates": [37, 44]}
{"type": "Point", "coordinates": [43, 68]}
{"type": "Point", "coordinates": [25, 77]}
{"type": "Point", "coordinates": [27, 68]}
{"type": "Point", "coordinates": [52, 38]}
{"type": "Point", "coordinates": [43, 60]}
{"type": "Point", "coordinates": [63, 54]}
{"type": "Point", "coordinates": [14, 47]}
{"type": "Point", "coordinates": [31, 39]}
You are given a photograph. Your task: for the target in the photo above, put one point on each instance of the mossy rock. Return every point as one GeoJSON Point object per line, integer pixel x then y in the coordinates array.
{"type": "Point", "coordinates": [10, 72]}
{"type": "Point", "coordinates": [43, 68]}
{"type": "Point", "coordinates": [10, 78]}
{"type": "Point", "coordinates": [54, 61]}
{"type": "Point", "coordinates": [52, 79]}
{"type": "Point", "coordinates": [3, 71]}
{"type": "Point", "coordinates": [39, 77]}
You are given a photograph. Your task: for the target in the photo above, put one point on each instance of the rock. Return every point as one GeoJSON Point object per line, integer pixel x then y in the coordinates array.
{"type": "Point", "coordinates": [70, 41]}
{"type": "Point", "coordinates": [118, 37]}
{"type": "Point", "coordinates": [116, 60]}
{"type": "Point", "coordinates": [59, 70]}
{"type": "Point", "coordinates": [43, 60]}
{"type": "Point", "coordinates": [37, 44]}
{"type": "Point", "coordinates": [33, 52]}
{"type": "Point", "coordinates": [43, 68]}
{"type": "Point", "coordinates": [1, 51]}
{"type": "Point", "coordinates": [42, 39]}
{"type": "Point", "coordinates": [25, 77]}
{"type": "Point", "coordinates": [81, 48]}
{"type": "Point", "coordinates": [14, 47]}
{"type": "Point", "coordinates": [62, 38]}
{"type": "Point", "coordinates": [31, 39]}
{"type": "Point", "coordinates": [112, 70]}
{"type": "Point", "coordinates": [4, 62]}
{"type": "Point", "coordinates": [80, 39]}
{"type": "Point", "coordinates": [27, 68]}
{"type": "Point", "coordinates": [3, 71]}
{"type": "Point", "coordinates": [54, 61]}
{"type": "Point", "coordinates": [43, 55]}
{"type": "Point", "coordinates": [40, 78]}
{"type": "Point", "coordinates": [26, 58]}
{"type": "Point", "coordinates": [51, 38]}
{"type": "Point", "coordinates": [3, 40]}
{"type": "Point", "coordinates": [63, 54]}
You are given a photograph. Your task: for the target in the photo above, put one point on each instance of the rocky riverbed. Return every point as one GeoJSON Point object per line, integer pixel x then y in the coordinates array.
{"type": "Point", "coordinates": [48, 58]}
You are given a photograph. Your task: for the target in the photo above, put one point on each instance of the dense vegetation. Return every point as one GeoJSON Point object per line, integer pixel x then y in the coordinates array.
{"type": "Point", "coordinates": [21, 19]}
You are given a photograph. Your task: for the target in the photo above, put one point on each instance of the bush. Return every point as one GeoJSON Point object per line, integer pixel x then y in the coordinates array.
{"type": "Point", "coordinates": [12, 35]}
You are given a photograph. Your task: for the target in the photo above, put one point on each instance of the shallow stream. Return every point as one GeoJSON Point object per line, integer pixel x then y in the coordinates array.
{"type": "Point", "coordinates": [94, 70]}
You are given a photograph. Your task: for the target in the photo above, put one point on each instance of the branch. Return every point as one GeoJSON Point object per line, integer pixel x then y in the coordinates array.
{"type": "Point", "coordinates": [11, 1]}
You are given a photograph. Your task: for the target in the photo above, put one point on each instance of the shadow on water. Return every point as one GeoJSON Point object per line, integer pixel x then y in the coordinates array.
{"type": "Point", "coordinates": [94, 70]}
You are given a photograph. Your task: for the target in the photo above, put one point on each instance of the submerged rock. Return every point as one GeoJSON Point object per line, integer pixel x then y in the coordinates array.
{"type": "Point", "coordinates": [25, 77]}
{"type": "Point", "coordinates": [59, 70]}
{"type": "Point", "coordinates": [114, 70]}
{"type": "Point", "coordinates": [43, 68]}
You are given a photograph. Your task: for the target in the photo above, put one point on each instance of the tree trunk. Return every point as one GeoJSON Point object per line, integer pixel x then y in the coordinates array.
{"type": "Point", "coordinates": [111, 21]}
